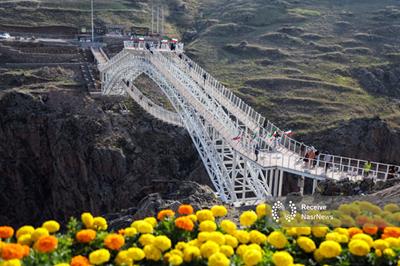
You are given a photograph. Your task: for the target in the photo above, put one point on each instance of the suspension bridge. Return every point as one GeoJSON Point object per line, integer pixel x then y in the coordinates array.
{"type": "Point", "coordinates": [245, 162]}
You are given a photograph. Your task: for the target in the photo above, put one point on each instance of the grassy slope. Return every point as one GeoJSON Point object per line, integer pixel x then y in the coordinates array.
{"type": "Point", "coordinates": [270, 71]}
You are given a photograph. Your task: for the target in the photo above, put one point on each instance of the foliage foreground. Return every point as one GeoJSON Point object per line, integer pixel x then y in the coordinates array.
{"type": "Point", "coordinates": [205, 237]}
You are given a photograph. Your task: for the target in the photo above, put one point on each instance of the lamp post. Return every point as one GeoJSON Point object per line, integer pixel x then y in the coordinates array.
{"type": "Point", "coordinates": [92, 21]}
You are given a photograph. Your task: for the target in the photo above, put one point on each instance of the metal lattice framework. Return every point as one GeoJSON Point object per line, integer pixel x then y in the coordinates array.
{"type": "Point", "coordinates": [223, 128]}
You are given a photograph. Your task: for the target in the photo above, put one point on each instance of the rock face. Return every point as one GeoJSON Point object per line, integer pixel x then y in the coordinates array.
{"type": "Point", "coordinates": [370, 138]}
{"type": "Point", "coordinates": [62, 153]}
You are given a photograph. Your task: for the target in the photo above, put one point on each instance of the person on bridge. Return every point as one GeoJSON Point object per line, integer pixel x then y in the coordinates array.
{"type": "Point", "coordinates": [367, 168]}
{"type": "Point", "coordinates": [257, 151]}
{"type": "Point", "coordinates": [327, 159]}
{"type": "Point", "coordinates": [204, 77]}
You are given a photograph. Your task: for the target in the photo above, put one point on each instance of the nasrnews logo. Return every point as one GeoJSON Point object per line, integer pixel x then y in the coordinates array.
{"type": "Point", "coordinates": [290, 212]}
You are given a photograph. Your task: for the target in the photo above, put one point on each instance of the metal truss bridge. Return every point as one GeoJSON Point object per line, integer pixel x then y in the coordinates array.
{"type": "Point", "coordinates": [225, 130]}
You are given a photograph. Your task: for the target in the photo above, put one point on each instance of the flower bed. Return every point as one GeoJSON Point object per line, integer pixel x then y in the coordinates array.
{"type": "Point", "coordinates": [205, 237]}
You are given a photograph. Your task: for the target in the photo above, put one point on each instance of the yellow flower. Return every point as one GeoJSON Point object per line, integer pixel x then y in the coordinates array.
{"type": "Point", "coordinates": [367, 238]}
{"type": "Point", "coordinates": [39, 232]}
{"type": "Point", "coordinates": [123, 258]}
{"type": "Point", "coordinates": [257, 237]}
{"type": "Point", "coordinates": [25, 239]}
{"type": "Point", "coordinates": [13, 262]}
{"type": "Point", "coordinates": [263, 210]}
{"type": "Point", "coordinates": [151, 220]}
{"type": "Point", "coordinates": [217, 237]}
{"type": "Point", "coordinates": [330, 249]}
{"type": "Point", "coordinates": [99, 223]}
{"type": "Point", "coordinates": [152, 253]}
{"type": "Point", "coordinates": [25, 230]}
{"type": "Point", "coordinates": [303, 230]}
{"type": "Point", "coordinates": [146, 239]}
{"type": "Point", "coordinates": [130, 232]}
{"type": "Point", "coordinates": [175, 260]}
{"type": "Point", "coordinates": [218, 259]}
{"type": "Point", "coordinates": [306, 244]}
{"type": "Point", "coordinates": [334, 236]}
{"type": "Point", "coordinates": [378, 252]}
{"type": "Point", "coordinates": [193, 217]}
{"type": "Point", "coordinates": [194, 243]}
{"type": "Point", "coordinates": [277, 239]}
{"type": "Point", "coordinates": [241, 250]}
{"type": "Point", "coordinates": [318, 256]}
{"type": "Point", "coordinates": [282, 258]}
{"type": "Point", "coordinates": [319, 231]}
{"type": "Point", "coordinates": [242, 236]}
{"type": "Point", "coordinates": [190, 253]}
{"type": "Point", "coordinates": [136, 254]}
{"type": "Point", "coordinates": [231, 241]}
{"type": "Point", "coordinates": [226, 250]}
{"type": "Point", "coordinates": [393, 242]}
{"type": "Point", "coordinates": [143, 227]}
{"type": "Point", "coordinates": [389, 252]}
{"type": "Point", "coordinates": [203, 236]}
{"type": "Point", "coordinates": [163, 243]}
{"type": "Point", "coordinates": [99, 256]}
{"type": "Point", "coordinates": [252, 257]}
{"type": "Point", "coordinates": [219, 211]}
{"type": "Point", "coordinates": [254, 246]}
{"type": "Point", "coordinates": [209, 248]}
{"type": "Point", "coordinates": [359, 247]}
{"type": "Point", "coordinates": [62, 264]}
{"type": "Point", "coordinates": [205, 215]}
{"type": "Point", "coordinates": [181, 245]}
{"type": "Point", "coordinates": [207, 226]}
{"type": "Point", "coordinates": [51, 226]}
{"type": "Point", "coordinates": [248, 218]}
{"type": "Point", "coordinates": [228, 226]}
{"type": "Point", "coordinates": [87, 220]}
{"type": "Point", "coordinates": [381, 244]}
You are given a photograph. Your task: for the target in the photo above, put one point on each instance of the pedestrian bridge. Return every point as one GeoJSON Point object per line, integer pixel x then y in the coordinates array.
{"type": "Point", "coordinates": [225, 130]}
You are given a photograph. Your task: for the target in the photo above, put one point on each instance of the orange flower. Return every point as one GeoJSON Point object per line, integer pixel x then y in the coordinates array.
{"type": "Point", "coordinates": [12, 251]}
{"type": "Point", "coordinates": [185, 209]}
{"type": "Point", "coordinates": [362, 219]}
{"type": "Point", "coordinates": [6, 232]}
{"type": "Point", "coordinates": [121, 232]}
{"type": "Point", "coordinates": [353, 231]}
{"type": "Point", "coordinates": [80, 261]}
{"type": "Point", "coordinates": [85, 236]}
{"type": "Point", "coordinates": [114, 241]}
{"type": "Point", "coordinates": [370, 229]}
{"type": "Point", "coordinates": [162, 214]}
{"type": "Point", "coordinates": [184, 223]}
{"type": "Point", "coordinates": [380, 223]}
{"type": "Point", "coordinates": [391, 231]}
{"type": "Point", "coordinates": [46, 244]}
{"type": "Point", "coordinates": [27, 250]}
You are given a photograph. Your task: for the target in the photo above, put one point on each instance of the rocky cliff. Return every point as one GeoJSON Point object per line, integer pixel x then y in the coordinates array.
{"type": "Point", "coordinates": [62, 153]}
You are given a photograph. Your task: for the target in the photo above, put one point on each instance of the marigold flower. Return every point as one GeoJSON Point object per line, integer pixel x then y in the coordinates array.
{"type": "Point", "coordinates": [354, 231]}
{"type": "Point", "coordinates": [391, 231]}
{"type": "Point", "coordinates": [263, 210]}
{"type": "Point", "coordinates": [252, 257]}
{"type": "Point", "coordinates": [231, 241]}
{"type": "Point", "coordinates": [242, 236]}
{"type": "Point", "coordinates": [365, 238]}
{"type": "Point", "coordinates": [226, 250]}
{"type": "Point", "coordinates": [389, 252]}
{"type": "Point", "coordinates": [152, 253]}
{"type": "Point", "coordinates": [306, 244]}
{"type": "Point", "coordinates": [218, 259]}
{"type": "Point", "coordinates": [136, 254]}
{"type": "Point", "coordinates": [207, 226]}
{"type": "Point", "coordinates": [146, 239]}
{"type": "Point", "coordinates": [175, 260]}
{"type": "Point", "coordinates": [282, 258]}
{"type": "Point", "coordinates": [219, 211]}
{"type": "Point", "coordinates": [277, 239]}
{"type": "Point", "coordinates": [257, 237]}
{"type": "Point", "coordinates": [393, 242]}
{"type": "Point", "coordinates": [13, 262]}
{"type": "Point", "coordinates": [165, 213]}
{"type": "Point", "coordinates": [99, 223]}
{"type": "Point", "coordinates": [80, 261]}
{"type": "Point", "coordinates": [51, 226]}
{"type": "Point", "coordinates": [114, 241]}
{"type": "Point", "coordinates": [184, 223]}
{"type": "Point", "coordinates": [380, 244]}
{"type": "Point", "coordinates": [191, 253]}
{"type": "Point", "coordinates": [163, 243]}
{"type": "Point", "coordinates": [27, 250]}
{"type": "Point", "coordinates": [209, 248]}
{"type": "Point", "coordinates": [319, 231]}
{"type": "Point", "coordinates": [330, 249]}
{"type": "Point", "coordinates": [303, 230]}
{"type": "Point", "coordinates": [39, 232]}
{"type": "Point", "coordinates": [359, 247]}
{"type": "Point", "coordinates": [46, 244]}
{"type": "Point", "coordinates": [86, 236]}
{"type": "Point", "coordinates": [62, 264]}
{"type": "Point", "coordinates": [248, 218]}
{"type": "Point", "coordinates": [151, 220]}
{"type": "Point", "coordinates": [228, 226]}
{"type": "Point", "coordinates": [217, 237]}
{"type": "Point", "coordinates": [25, 239]}
{"type": "Point", "coordinates": [11, 251]}
{"type": "Point", "coordinates": [370, 229]}
{"type": "Point", "coordinates": [123, 258]}
{"type": "Point", "coordinates": [25, 230]}
{"type": "Point", "coordinates": [87, 220]}
{"type": "Point", "coordinates": [6, 232]}
{"type": "Point", "coordinates": [142, 227]}
{"type": "Point", "coordinates": [99, 256]}
{"type": "Point", "coordinates": [185, 209]}
{"type": "Point", "coordinates": [130, 232]}
{"type": "Point", "coordinates": [204, 215]}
